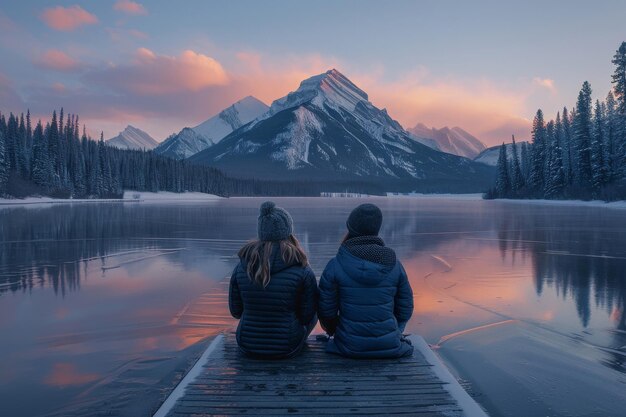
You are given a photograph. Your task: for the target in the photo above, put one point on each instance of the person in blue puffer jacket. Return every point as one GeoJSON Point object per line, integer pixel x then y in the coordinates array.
{"type": "Point", "coordinates": [365, 297]}
{"type": "Point", "coordinates": [273, 291]}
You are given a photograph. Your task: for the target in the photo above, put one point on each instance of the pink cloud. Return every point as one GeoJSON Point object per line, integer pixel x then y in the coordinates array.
{"type": "Point", "coordinates": [130, 7]}
{"type": "Point", "coordinates": [59, 87]}
{"type": "Point", "coordinates": [152, 74]}
{"type": "Point", "coordinates": [67, 18]}
{"type": "Point", "coordinates": [54, 59]}
{"type": "Point", "coordinates": [546, 83]}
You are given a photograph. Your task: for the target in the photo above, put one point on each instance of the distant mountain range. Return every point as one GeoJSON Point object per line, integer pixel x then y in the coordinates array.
{"type": "Point", "coordinates": [190, 141]}
{"type": "Point", "coordinates": [133, 138]}
{"type": "Point", "coordinates": [490, 155]}
{"type": "Point", "coordinates": [328, 129]}
{"type": "Point", "coordinates": [455, 141]}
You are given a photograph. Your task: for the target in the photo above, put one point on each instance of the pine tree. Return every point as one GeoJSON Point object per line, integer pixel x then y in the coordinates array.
{"type": "Point", "coordinates": [582, 135]}
{"type": "Point", "coordinates": [619, 77]}
{"type": "Point", "coordinates": [556, 178]}
{"type": "Point", "coordinates": [538, 153]}
{"type": "Point", "coordinates": [566, 139]}
{"type": "Point", "coordinates": [619, 86]}
{"type": "Point", "coordinates": [29, 130]}
{"type": "Point", "coordinates": [517, 178]}
{"type": "Point", "coordinates": [11, 145]}
{"type": "Point", "coordinates": [612, 130]}
{"type": "Point", "coordinates": [550, 138]}
{"type": "Point", "coordinates": [42, 171]}
{"type": "Point", "coordinates": [4, 171]}
{"type": "Point", "coordinates": [525, 159]}
{"type": "Point", "coordinates": [503, 183]}
{"type": "Point", "coordinates": [21, 149]}
{"type": "Point", "coordinates": [598, 165]}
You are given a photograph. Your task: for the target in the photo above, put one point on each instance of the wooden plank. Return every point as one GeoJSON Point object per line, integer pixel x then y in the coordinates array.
{"type": "Point", "coordinates": [272, 392]}
{"type": "Point", "coordinates": [330, 411]}
{"type": "Point", "coordinates": [272, 395]}
{"type": "Point", "coordinates": [314, 383]}
{"type": "Point", "coordinates": [290, 412]}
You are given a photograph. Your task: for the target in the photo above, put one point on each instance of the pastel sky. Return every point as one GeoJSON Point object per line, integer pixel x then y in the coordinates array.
{"type": "Point", "coordinates": [161, 65]}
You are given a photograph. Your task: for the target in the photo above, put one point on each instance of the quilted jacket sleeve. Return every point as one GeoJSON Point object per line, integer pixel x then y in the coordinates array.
{"type": "Point", "coordinates": [309, 296]}
{"type": "Point", "coordinates": [403, 306]}
{"type": "Point", "coordinates": [235, 304]}
{"type": "Point", "coordinates": [328, 306]}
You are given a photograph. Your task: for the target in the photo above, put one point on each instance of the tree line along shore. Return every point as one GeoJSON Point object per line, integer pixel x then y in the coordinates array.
{"type": "Point", "coordinates": [581, 154]}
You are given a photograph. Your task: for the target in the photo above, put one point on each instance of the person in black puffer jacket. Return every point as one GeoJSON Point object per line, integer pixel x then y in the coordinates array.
{"type": "Point", "coordinates": [273, 291]}
{"type": "Point", "coordinates": [365, 296]}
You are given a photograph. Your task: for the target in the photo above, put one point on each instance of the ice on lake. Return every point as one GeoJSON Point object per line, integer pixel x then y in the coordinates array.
{"type": "Point", "coordinates": [105, 306]}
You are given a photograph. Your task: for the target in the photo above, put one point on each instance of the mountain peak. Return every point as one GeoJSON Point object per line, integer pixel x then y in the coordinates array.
{"type": "Point", "coordinates": [133, 138]}
{"type": "Point", "coordinates": [193, 140]}
{"type": "Point", "coordinates": [249, 100]}
{"type": "Point", "coordinates": [330, 88]}
{"type": "Point", "coordinates": [333, 82]}
{"type": "Point", "coordinates": [451, 140]}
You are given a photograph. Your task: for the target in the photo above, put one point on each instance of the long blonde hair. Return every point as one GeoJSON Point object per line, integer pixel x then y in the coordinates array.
{"type": "Point", "coordinates": [257, 255]}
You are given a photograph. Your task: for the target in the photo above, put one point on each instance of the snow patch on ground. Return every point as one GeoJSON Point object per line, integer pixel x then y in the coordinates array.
{"type": "Point", "coordinates": [445, 195]}
{"type": "Point", "coordinates": [41, 201]}
{"type": "Point", "coordinates": [129, 196]}
{"type": "Point", "coordinates": [593, 203]}
{"type": "Point", "coordinates": [168, 196]}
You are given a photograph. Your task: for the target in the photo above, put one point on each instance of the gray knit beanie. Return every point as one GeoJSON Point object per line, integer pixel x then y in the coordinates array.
{"type": "Point", "coordinates": [274, 223]}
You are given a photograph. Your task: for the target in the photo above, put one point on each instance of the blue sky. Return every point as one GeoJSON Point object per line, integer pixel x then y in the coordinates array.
{"type": "Point", "coordinates": [161, 65]}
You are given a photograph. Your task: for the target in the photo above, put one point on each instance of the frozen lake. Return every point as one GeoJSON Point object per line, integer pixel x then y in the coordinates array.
{"type": "Point", "coordinates": [104, 306]}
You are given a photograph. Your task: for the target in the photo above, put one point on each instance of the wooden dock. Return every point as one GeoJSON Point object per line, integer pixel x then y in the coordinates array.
{"type": "Point", "coordinates": [226, 383]}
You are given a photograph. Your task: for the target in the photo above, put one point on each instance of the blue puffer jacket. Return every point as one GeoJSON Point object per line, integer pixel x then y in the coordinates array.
{"type": "Point", "coordinates": [273, 320]}
{"type": "Point", "coordinates": [361, 303]}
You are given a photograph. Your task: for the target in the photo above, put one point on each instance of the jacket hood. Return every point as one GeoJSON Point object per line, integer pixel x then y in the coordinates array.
{"type": "Point", "coordinates": [361, 270]}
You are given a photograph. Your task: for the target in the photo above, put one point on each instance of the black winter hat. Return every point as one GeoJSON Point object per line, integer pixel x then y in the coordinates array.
{"type": "Point", "coordinates": [365, 220]}
{"type": "Point", "coordinates": [274, 223]}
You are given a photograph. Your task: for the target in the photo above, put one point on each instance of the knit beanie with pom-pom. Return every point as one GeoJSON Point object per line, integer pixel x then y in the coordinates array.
{"type": "Point", "coordinates": [275, 223]}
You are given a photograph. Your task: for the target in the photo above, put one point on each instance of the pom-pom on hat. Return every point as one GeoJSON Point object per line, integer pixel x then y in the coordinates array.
{"type": "Point", "coordinates": [365, 220]}
{"type": "Point", "coordinates": [275, 223]}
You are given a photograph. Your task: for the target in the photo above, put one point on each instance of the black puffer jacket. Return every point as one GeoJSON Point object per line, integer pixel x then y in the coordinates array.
{"type": "Point", "coordinates": [364, 296]}
{"type": "Point", "coordinates": [273, 320]}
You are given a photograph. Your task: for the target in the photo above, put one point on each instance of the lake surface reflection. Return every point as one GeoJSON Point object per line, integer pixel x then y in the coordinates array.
{"type": "Point", "coordinates": [103, 307]}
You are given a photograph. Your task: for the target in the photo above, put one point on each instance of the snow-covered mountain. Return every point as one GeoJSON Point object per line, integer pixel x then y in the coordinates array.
{"type": "Point", "coordinates": [133, 138]}
{"type": "Point", "coordinates": [327, 129]}
{"type": "Point", "coordinates": [211, 131]}
{"type": "Point", "coordinates": [231, 118]}
{"type": "Point", "coordinates": [183, 144]}
{"type": "Point", "coordinates": [455, 141]}
{"type": "Point", "coordinates": [490, 155]}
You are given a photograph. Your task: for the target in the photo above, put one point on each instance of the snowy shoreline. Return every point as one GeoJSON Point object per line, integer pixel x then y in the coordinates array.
{"type": "Point", "coordinates": [129, 197]}
{"type": "Point", "coordinates": [165, 196]}
{"type": "Point", "coordinates": [581, 203]}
